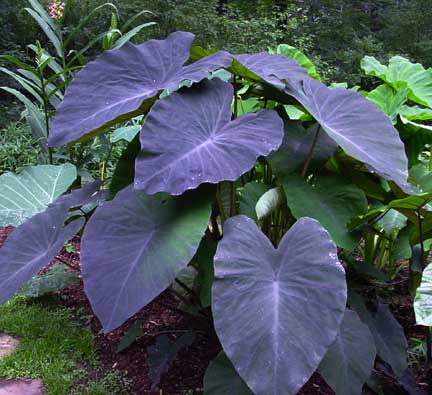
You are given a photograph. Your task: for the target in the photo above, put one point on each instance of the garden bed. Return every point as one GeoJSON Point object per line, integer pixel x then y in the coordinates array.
{"type": "Point", "coordinates": [185, 375]}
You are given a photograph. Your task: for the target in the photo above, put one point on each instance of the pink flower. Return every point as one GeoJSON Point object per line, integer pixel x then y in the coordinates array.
{"type": "Point", "coordinates": [55, 9]}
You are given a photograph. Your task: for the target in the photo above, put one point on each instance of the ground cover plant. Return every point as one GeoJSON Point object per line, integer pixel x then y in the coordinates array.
{"type": "Point", "coordinates": [277, 191]}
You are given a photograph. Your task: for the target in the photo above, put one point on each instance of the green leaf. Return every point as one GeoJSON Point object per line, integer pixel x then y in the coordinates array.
{"type": "Point", "coordinates": [293, 53]}
{"type": "Point", "coordinates": [401, 71]}
{"type": "Point", "coordinates": [203, 262]}
{"type": "Point", "coordinates": [126, 133]}
{"type": "Point", "coordinates": [131, 33]}
{"type": "Point", "coordinates": [131, 335]}
{"type": "Point", "coordinates": [389, 100]}
{"type": "Point", "coordinates": [125, 170]}
{"type": "Point", "coordinates": [423, 299]}
{"type": "Point", "coordinates": [331, 201]}
{"type": "Point", "coordinates": [48, 29]}
{"type": "Point", "coordinates": [269, 202]}
{"type": "Point", "coordinates": [249, 196]}
{"type": "Point", "coordinates": [416, 113]}
{"type": "Point", "coordinates": [392, 220]}
{"type": "Point", "coordinates": [55, 279]}
{"type": "Point", "coordinates": [221, 378]}
{"type": "Point", "coordinates": [31, 191]}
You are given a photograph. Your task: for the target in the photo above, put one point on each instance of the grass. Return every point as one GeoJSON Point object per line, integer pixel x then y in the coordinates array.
{"type": "Point", "coordinates": [54, 349]}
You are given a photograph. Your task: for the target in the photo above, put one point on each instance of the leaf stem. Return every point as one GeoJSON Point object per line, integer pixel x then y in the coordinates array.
{"type": "Point", "coordinates": [311, 151]}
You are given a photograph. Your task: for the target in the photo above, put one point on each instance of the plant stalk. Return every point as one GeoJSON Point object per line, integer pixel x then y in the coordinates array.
{"type": "Point", "coordinates": [312, 149]}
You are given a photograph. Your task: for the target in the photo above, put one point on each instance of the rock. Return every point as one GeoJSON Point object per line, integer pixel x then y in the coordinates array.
{"type": "Point", "coordinates": [8, 345]}
{"type": "Point", "coordinates": [21, 387]}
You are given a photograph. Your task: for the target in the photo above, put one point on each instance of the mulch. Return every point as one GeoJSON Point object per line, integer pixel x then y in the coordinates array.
{"type": "Point", "coordinates": [185, 375]}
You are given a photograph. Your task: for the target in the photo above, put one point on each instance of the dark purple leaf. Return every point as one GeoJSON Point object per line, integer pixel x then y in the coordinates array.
{"type": "Point", "coordinates": [36, 242]}
{"type": "Point", "coordinates": [350, 359]}
{"type": "Point", "coordinates": [390, 340]}
{"type": "Point", "coordinates": [189, 139]}
{"type": "Point", "coordinates": [116, 85]}
{"type": "Point", "coordinates": [133, 248]}
{"type": "Point", "coordinates": [357, 125]}
{"type": "Point", "coordinates": [269, 67]}
{"type": "Point", "coordinates": [163, 353]}
{"type": "Point", "coordinates": [277, 311]}
{"type": "Point", "coordinates": [296, 146]}
{"type": "Point", "coordinates": [33, 245]}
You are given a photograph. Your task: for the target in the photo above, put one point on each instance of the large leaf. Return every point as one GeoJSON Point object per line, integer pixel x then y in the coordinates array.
{"type": "Point", "coordinates": [349, 361]}
{"type": "Point", "coordinates": [267, 67]}
{"type": "Point", "coordinates": [293, 53]}
{"type": "Point", "coordinates": [116, 85]}
{"type": "Point", "coordinates": [189, 139]}
{"type": "Point", "coordinates": [356, 125]}
{"type": "Point", "coordinates": [389, 100]}
{"type": "Point", "coordinates": [296, 146]}
{"type": "Point", "coordinates": [221, 378]}
{"type": "Point", "coordinates": [423, 299]}
{"type": "Point", "coordinates": [277, 311]}
{"type": "Point", "coordinates": [31, 191]}
{"type": "Point", "coordinates": [133, 248]}
{"type": "Point", "coordinates": [390, 340]}
{"type": "Point", "coordinates": [331, 201]}
{"type": "Point", "coordinates": [33, 244]}
{"type": "Point", "coordinates": [400, 72]}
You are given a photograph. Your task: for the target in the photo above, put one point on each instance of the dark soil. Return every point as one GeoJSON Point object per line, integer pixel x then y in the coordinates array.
{"type": "Point", "coordinates": [185, 375]}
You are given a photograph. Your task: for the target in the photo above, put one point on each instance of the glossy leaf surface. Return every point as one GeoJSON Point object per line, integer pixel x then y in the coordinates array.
{"type": "Point", "coordinates": [116, 85]}
{"type": "Point", "coordinates": [354, 123]}
{"type": "Point", "coordinates": [189, 139]}
{"type": "Point", "coordinates": [291, 315]}
{"type": "Point", "coordinates": [133, 248]}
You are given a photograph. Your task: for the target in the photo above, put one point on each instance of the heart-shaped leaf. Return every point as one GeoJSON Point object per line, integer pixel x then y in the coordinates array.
{"type": "Point", "coordinates": [31, 191]}
{"type": "Point", "coordinates": [331, 201]}
{"type": "Point", "coordinates": [290, 301]}
{"type": "Point", "coordinates": [221, 378]}
{"type": "Point", "coordinates": [354, 123]}
{"type": "Point", "coordinates": [116, 85]}
{"type": "Point", "coordinates": [133, 248]}
{"type": "Point", "coordinates": [189, 139]}
{"type": "Point", "coordinates": [350, 359]}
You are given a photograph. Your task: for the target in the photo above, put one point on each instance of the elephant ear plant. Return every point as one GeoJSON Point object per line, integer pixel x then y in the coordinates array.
{"type": "Point", "coordinates": [196, 177]}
